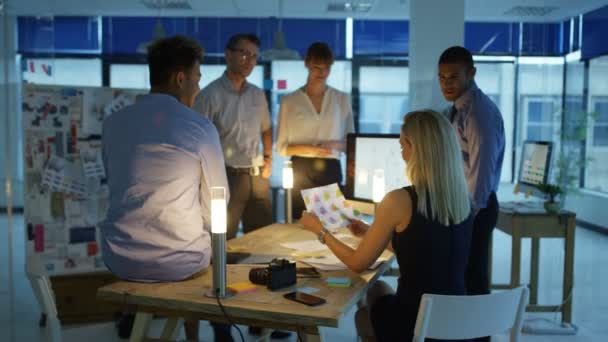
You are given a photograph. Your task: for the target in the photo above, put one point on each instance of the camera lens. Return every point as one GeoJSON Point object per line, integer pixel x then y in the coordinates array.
{"type": "Point", "coordinates": [259, 275]}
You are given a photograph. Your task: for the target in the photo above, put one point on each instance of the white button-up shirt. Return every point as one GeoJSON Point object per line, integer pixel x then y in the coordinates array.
{"type": "Point", "coordinates": [300, 124]}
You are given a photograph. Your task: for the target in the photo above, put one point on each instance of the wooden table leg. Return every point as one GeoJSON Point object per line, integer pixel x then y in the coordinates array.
{"type": "Point", "coordinates": [171, 328]}
{"type": "Point", "coordinates": [568, 270]}
{"type": "Point", "coordinates": [140, 327]}
{"type": "Point", "coordinates": [534, 270]}
{"type": "Point", "coordinates": [515, 255]}
{"type": "Point", "coordinates": [312, 336]}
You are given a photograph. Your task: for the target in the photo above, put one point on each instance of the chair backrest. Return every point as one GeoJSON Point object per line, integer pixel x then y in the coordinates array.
{"type": "Point", "coordinates": [465, 317]}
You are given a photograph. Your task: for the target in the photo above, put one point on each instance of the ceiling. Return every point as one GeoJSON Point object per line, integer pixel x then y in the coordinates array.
{"type": "Point", "coordinates": [475, 10]}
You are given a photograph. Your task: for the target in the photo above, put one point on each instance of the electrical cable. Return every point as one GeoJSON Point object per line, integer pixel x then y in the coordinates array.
{"type": "Point", "coordinates": [226, 315]}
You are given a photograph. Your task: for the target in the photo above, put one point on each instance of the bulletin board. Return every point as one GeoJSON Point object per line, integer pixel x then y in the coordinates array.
{"type": "Point", "coordinates": [65, 192]}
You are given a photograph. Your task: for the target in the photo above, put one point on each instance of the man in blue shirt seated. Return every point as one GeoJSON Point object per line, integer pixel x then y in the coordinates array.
{"type": "Point", "coordinates": [161, 160]}
{"type": "Point", "coordinates": [480, 130]}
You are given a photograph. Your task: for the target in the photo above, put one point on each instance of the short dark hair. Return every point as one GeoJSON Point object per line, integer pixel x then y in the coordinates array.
{"type": "Point", "coordinates": [456, 54]}
{"type": "Point", "coordinates": [236, 39]}
{"type": "Point", "coordinates": [319, 51]}
{"type": "Point", "coordinates": [177, 53]}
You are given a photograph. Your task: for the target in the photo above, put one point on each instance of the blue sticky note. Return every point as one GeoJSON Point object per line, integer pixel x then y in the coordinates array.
{"type": "Point", "coordinates": [268, 84]}
{"type": "Point", "coordinates": [339, 280]}
{"type": "Point", "coordinates": [307, 289]}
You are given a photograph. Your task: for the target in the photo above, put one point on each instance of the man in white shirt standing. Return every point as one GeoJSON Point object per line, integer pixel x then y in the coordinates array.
{"type": "Point", "coordinates": [239, 111]}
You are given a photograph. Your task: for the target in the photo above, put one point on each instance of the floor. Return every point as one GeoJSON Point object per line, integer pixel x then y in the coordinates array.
{"type": "Point", "coordinates": [19, 314]}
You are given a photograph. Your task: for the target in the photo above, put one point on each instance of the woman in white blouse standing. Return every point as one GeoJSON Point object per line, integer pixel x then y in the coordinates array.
{"type": "Point", "coordinates": [313, 123]}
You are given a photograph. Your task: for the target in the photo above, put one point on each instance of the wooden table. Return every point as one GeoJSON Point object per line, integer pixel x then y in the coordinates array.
{"type": "Point", "coordinates": [530, 220]}
{"type": "Point", "coordinates": [265, 308]}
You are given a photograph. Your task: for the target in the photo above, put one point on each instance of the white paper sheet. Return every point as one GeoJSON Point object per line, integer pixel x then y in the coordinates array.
{"type": "Point", "coordinates": [315, 245]}
{"type": "Point", "coordinates": [332, 263]}
{"type": "Point", "coordinates": [98, 103]}
{"type": "Point", "coordinates": [90, 153]}
{"type": "Point", "coordinates": [63, 176]}
{"type": "Point", "coordinates": [329, 204]}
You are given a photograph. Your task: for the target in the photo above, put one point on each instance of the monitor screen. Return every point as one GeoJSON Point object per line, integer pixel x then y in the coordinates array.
{"type": "Point", "coordinates": [367, 153]}
{"type": "Point", "coordinates": [535, 163]}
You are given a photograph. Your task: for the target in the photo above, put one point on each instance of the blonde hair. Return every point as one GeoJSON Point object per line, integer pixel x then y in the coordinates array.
{"type": "Point", "coordinates": [435, 167]}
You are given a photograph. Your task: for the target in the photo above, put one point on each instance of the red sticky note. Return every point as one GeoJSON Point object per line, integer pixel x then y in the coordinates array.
{"type": "Point", "coordinates": [39, 238]}
{"type": "Point", "coordinates": [92, 248]}
{"type": "Point", "coordinates": [282, 84]}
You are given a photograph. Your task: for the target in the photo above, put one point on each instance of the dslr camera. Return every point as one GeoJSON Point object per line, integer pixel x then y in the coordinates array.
{"type": "Point", "coordinates": [279, 273]}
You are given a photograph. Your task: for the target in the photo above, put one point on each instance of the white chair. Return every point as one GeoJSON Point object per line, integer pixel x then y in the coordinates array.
{"type": "Point", "coordinates": [43, 291]}
{"type": "Point", "coordinates": [465, 317]}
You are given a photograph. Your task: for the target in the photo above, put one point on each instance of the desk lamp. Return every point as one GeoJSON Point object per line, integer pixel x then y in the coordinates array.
{"type": "Point", "coordinates": [218, 241]}
{"type": "Point", "coordinates": [288, 185]}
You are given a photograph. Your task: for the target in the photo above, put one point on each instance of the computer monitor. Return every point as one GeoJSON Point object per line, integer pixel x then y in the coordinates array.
{"type": "Point", "coordinates": [366, 153]}
{"type": "Point", "coordinates": [534, 166]}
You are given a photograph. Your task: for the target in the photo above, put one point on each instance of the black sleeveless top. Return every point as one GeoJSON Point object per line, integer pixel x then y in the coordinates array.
{"type": "Point", "coordinates": [432, 258]}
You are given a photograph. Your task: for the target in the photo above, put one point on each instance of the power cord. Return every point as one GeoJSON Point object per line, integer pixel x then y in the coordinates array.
{"type": "Point", "coordinates": [217, 296]}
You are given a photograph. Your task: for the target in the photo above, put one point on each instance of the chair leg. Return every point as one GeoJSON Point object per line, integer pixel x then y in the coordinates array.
{"type": "Point", "coordinates": [140, 327]}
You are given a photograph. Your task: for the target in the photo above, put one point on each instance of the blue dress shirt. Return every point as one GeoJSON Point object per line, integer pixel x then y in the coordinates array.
{"type": "Point", "coordinates": [161, 159]}
{"type": "Point", "coordinates": [480, 129]}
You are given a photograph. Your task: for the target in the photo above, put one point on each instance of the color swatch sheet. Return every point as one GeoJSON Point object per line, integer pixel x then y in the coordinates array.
{"type": "Point", "coordinates": [330, 205]}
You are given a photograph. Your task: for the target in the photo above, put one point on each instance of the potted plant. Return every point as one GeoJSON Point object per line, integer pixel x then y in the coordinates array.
{"type": "Point", "coordinates": [552, 191]}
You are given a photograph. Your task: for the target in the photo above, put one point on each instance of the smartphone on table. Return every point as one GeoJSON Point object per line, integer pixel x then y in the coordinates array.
{"type": "Point", "coordinates": [304, 298]}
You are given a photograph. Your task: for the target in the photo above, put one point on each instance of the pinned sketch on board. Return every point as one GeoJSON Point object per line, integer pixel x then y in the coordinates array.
{"type": "Point", "coordinates": [48, 108]}
{"type": "Point", "coordinates": [98, 103]}
{"type": "Point", "coordinates": [330, 205]}
{"type": "Point", "coordinates": [90, 154]}
{"type": "Point", "coordinates": [61, 175]}
{"type": "Point", "coordinates": [37, 149]}
{"type": "Point", "coordinates": [65, 196]}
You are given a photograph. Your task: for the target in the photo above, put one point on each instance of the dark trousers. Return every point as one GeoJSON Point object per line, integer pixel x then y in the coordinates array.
{"type": "Point", "coordinates": [249, 201]}
{"type": "Point", "coordinates": [478, 277]}
{"type": "Point", "coordinates": [310, 173]}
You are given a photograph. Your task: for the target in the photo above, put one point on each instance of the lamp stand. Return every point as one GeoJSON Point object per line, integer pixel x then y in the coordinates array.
{"type": "Point", "coordinates": [288, 207]}
{"type": "Point", "coordinates": [218, 246]}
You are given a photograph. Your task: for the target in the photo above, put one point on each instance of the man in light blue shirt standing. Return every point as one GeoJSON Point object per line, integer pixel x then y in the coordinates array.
{"type": "Point", "coordinates": [479, 127]}
{"type": "Point", "coordinates": [161, 159]}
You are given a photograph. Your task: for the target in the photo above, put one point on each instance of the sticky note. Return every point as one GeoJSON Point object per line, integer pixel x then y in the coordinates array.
{"type": "Point", "coordinates": [244, 287]}
{"type": "Point", "coordinates": [307, 289]}
{"type": "Point", "coordinates": [338, 282]}
{"type": "Point", "coordinates": [281, 84]}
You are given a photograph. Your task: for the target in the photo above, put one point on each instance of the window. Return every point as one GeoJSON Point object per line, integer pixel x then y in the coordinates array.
{"type": "Point", "coordinates": [136, 76]}
{"type": "Point", "coordinates": [62, 71]}
{"type": "Point", "coordinates": [600, 126]}
{"type": "Point", "coordinates": [383, 98]}
{"type": "Point", "coordinates": [596, 175]}
{"type": "Point", "coordinates": [540, 120]}
{"type": "Point", "coordinates": [540, 87]}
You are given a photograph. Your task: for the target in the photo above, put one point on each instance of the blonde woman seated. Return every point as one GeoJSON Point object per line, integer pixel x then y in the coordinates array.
{"type": "Point", "coordinates": [429, 225]}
